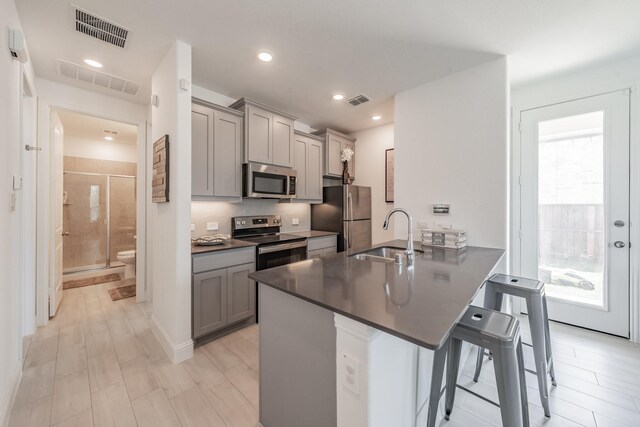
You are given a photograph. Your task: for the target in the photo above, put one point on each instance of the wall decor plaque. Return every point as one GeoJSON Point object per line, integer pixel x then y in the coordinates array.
{"type": "Point", "coordinates": [160, 178]}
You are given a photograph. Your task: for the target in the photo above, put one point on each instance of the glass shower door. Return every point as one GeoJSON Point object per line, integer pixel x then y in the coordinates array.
{"type": "Point", "coordinates": [84, 222]}
{"type": "Point", "coordinates": [122, 216]}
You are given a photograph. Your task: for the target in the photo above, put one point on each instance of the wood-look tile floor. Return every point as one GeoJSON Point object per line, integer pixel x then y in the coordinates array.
{"type": "Point", "coordinates": [598, 383]}
{"type": "Point", "coordinates": [97, 363]}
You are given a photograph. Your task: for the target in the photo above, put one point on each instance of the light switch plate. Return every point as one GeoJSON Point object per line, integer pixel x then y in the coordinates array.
{"type": "Point", "coordinates": [212, 226]}
{"type": "Point", "coordinates": [295, 221]}
{"type": "Point", "coordinates": [17, 182]}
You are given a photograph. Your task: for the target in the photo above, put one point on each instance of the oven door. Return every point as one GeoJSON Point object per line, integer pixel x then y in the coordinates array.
{"type": "Point", "coordinates": [270, 256]}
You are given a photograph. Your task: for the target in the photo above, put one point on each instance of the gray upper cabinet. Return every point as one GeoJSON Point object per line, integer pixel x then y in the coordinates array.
{"type": "Point", "coordinates": [216, 151]}
{"type": "Point", "coordinates": [334, 143]}
{"type": "Point", "coordinates": [308, 164]}
{"type": "Point", "coordinates": [269, 134]}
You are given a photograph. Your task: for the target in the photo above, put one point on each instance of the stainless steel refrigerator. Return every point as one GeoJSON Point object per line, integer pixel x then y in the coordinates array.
{"type": "Point", "coordinates": [346, 209]}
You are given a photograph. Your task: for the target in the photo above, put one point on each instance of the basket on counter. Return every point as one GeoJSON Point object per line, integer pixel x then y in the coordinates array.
{"type": "Point", "coordinates": [444, 238]}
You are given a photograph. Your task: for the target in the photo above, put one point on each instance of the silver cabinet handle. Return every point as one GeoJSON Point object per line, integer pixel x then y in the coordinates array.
{"type": "Point", "coordinates": [619, 223]}
{"type": "Point", "coordinates": [282, 247]}
{"type": "Point", "coordinates": [619, 244]}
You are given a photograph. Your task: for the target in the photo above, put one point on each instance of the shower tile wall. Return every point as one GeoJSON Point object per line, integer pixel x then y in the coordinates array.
{"type": "Point", "coordinates": [220, 212]}
{"type": "Point", "coordinates": [85, 214]}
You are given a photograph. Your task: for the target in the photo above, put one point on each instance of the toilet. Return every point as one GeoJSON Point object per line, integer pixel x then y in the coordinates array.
{"type": "Point", "coordinates": [128, 258]}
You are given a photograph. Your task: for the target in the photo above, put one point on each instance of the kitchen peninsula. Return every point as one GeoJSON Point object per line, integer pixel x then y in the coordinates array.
{"type": "Point", "coordinates": [346, 339]}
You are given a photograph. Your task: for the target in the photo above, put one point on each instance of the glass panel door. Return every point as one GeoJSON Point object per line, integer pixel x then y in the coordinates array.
{"type": "Point", "coordinates": [574, 209]}
{"type": "Point", "coordinates": [122, 216]}
{"type": "Point", "coordinates": [84, 222]}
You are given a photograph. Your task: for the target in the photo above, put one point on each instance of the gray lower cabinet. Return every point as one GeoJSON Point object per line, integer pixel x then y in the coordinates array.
{"type": "Point", "coordinates": [307, 161]}
{"type": "Point", "coordinates": [321, 246]}
{"type": "Point", "coordinates": [222, 293]}
{"type": "Point", "coordinates": [216, 151]}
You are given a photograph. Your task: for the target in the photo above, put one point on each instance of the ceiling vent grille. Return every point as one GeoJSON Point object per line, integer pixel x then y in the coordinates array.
{"type": "Point", "coordinates": [87, 75]}
{"type": "Point", "coordinates": [358, 99]}
{"type": "Point", "coordinates": [100, 28]}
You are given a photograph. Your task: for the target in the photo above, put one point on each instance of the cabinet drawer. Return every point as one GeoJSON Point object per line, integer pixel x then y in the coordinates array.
{"type": "Point", "coordinates": [222, 259]}
{"type": "Point", "coordinates": [322, 242]}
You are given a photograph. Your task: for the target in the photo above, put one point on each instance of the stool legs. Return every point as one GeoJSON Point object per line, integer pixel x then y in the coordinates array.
{"type": "Point", "coordinates": [547, 335]}
{"type": "Point", "coordinates": [523, 384]}
{"type": "Point", "coordinates": [540, 352]}
{"type": "Point", "coordinates": [453, 365]}
{"type": "Point", "coordinates": [511, 391]}
{"type": "Point", "coordinates": [437, 373]}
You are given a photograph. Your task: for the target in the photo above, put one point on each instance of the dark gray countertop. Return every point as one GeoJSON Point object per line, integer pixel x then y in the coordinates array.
{"type": "Point", "coordinates": [230, 244]}
{"type": "Point", "coordinates": [312, 233]}
{"type": "Point", "coordinates": [421, 307]}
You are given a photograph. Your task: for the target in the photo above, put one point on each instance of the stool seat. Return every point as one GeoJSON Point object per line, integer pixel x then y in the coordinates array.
{"type": "Point", "coordinates": [481, 324]}
{"type": "Point", "coordinates": [513, 283]}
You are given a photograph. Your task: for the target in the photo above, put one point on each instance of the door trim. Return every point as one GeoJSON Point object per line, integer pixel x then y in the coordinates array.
{"type": "Point", "coordinates": [634, 202]}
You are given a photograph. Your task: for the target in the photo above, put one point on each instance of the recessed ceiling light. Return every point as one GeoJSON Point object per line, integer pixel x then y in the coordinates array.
{"type": "Point", "coordinates": [108, 138]}
{"type": "Point", "coordinates": [376, 117]}
{"type": "Point", "coordinates": [93, 63]}
{"type": "Point", "coordinates": [265, 56]}
{"type": "Point", "coordinates": [338, 97]}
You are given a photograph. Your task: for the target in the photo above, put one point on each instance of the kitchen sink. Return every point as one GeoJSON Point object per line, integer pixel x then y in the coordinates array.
{"type": "Point", "coordinates": [382, 254]}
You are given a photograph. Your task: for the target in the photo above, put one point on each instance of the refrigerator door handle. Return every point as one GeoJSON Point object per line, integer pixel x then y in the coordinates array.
{"type": "Point", "coordinates": [350, 202]}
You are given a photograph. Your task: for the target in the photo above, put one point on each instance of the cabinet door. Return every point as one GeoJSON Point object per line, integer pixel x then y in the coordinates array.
{"type": "Point", "coordinates": [314, 170]}
{"type": "Point", "coordinates": [283, 138]}
{"type": "Point", "coordinates": [333, 151]}
{"type": "Point", "coordinates": [201, 151]}
{"type": "Point", "coordinates": [227, 159]}
{"type": "Point", "coordinates": [259, 139]}
{"type": "Point", "coordinates": [209, 301]}
{"type": "Point", "coordinates": [241, 293]}
{"type": "Point", "coordinates": [315, 254]}
{"type": "Point", "coordinates": [352, 163]}
{"type": "Point", "coordinates": [300, 165]}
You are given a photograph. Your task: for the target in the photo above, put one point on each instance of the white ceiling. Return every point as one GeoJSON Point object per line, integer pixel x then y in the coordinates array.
{"type": "Point", "coordinates": [93, 128]}
{"type": "Point", "coordinates": [372, 46]}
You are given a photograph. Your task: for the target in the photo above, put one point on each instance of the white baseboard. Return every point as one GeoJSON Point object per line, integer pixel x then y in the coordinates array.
{"type": "Point", "coordinates": [176, 352]}
{"type": "Point", "coordinates": [10, 395]}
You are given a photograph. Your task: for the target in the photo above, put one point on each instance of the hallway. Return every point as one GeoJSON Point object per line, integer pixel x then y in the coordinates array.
{"type": "Point", "coordinates": [98, 363]}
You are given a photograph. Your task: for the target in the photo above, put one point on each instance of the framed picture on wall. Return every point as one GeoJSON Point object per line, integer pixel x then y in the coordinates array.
{"type": "Point", "coordinates": [160, 179]}
{"type": "Point", "coordinates": [388, 176]}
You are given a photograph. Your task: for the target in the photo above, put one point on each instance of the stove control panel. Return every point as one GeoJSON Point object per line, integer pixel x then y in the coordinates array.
{"type": "Point", "coordinates": [248, 222]}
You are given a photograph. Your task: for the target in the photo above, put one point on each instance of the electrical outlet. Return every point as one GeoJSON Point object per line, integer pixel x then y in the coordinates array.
{"type": "Point", "coordinates": [193, 227]}
{"type": "Point", "coordinates": [295, 221]}
{"type": "Point", "coordinates": [211, 226]}
{"type": "Point", "coordinates": [351, 374]}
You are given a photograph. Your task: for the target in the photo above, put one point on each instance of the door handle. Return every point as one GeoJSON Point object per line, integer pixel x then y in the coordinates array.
{"type": "Point", "coordinates": [619, 223]}
{"type": "Point", "coordinates": [619, 244]}
{"type": "Point", "coordinates": [65, 233]}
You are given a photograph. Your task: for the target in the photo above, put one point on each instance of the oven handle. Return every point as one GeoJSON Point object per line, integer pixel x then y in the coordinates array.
{"type": "Point", "coordinates": [283, 247]}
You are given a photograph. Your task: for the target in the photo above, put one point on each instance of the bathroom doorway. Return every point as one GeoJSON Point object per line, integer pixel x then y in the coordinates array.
{"type": "Point", "coordinates": [98, 198]}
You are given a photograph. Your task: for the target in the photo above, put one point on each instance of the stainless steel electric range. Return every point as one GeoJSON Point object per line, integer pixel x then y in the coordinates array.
{"type": "Point", "coordinates": [273, 248]}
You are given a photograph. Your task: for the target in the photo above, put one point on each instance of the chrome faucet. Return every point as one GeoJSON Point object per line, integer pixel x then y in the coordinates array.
{"type": "Point", "coordinates": [409, 251]}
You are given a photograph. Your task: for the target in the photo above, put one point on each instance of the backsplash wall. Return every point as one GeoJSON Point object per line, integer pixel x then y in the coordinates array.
{"type": "Point", "coordinates": [221, 212]}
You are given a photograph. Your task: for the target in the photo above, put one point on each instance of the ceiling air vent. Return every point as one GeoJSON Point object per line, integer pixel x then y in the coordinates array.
{"type": "Point", "coordinates": [88, 75]}
{"type": "Point", "coordinates": [99, 28]}
{"type": "Point", "coordinates": [358, 99]}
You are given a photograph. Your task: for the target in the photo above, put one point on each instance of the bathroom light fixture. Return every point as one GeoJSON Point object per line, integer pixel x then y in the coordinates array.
{"type": "Point", "coordinates": [93, 63]}
{"type": "Point", "coordinates": [265, 56]}
{"type": "Point", "coordinates": [108, 138]}
{"type": "Point", "coordinates": [338, 97]}
{"type": "Point", "coordinates": [376, 117]}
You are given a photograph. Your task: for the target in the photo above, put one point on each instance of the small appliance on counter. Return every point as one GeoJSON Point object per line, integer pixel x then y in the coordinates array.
{"type": "Point", "coordinates": [347, 211]}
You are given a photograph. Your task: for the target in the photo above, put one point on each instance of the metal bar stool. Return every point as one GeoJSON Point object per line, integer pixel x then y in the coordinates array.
{"type": "Point", "coordinates": [533, 291]}
{"type": "Point", "coordinates": [500, 333]}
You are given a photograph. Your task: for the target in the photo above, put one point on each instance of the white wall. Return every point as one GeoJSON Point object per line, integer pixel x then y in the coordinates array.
{"type": "Point", "coordinates": [370, 167]}
{"type": "Point", "coordinates": [99, 149]}
{"type": "Point", "coordinates": [451, 147]}
{"type": "Point", "coordinates": [588, 82]}
{"type": "Point", "coordinates": [10, 165]}
{"type": "Point", "coordinates": [169, 225]}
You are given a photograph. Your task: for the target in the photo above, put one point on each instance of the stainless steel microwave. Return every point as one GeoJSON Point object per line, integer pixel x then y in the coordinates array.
{"type": "Point", "coordinates": [268, 182]}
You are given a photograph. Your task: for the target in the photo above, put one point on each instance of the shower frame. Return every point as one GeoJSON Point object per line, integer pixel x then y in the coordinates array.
{"type": "Point", "coordinates": [108, 215]}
